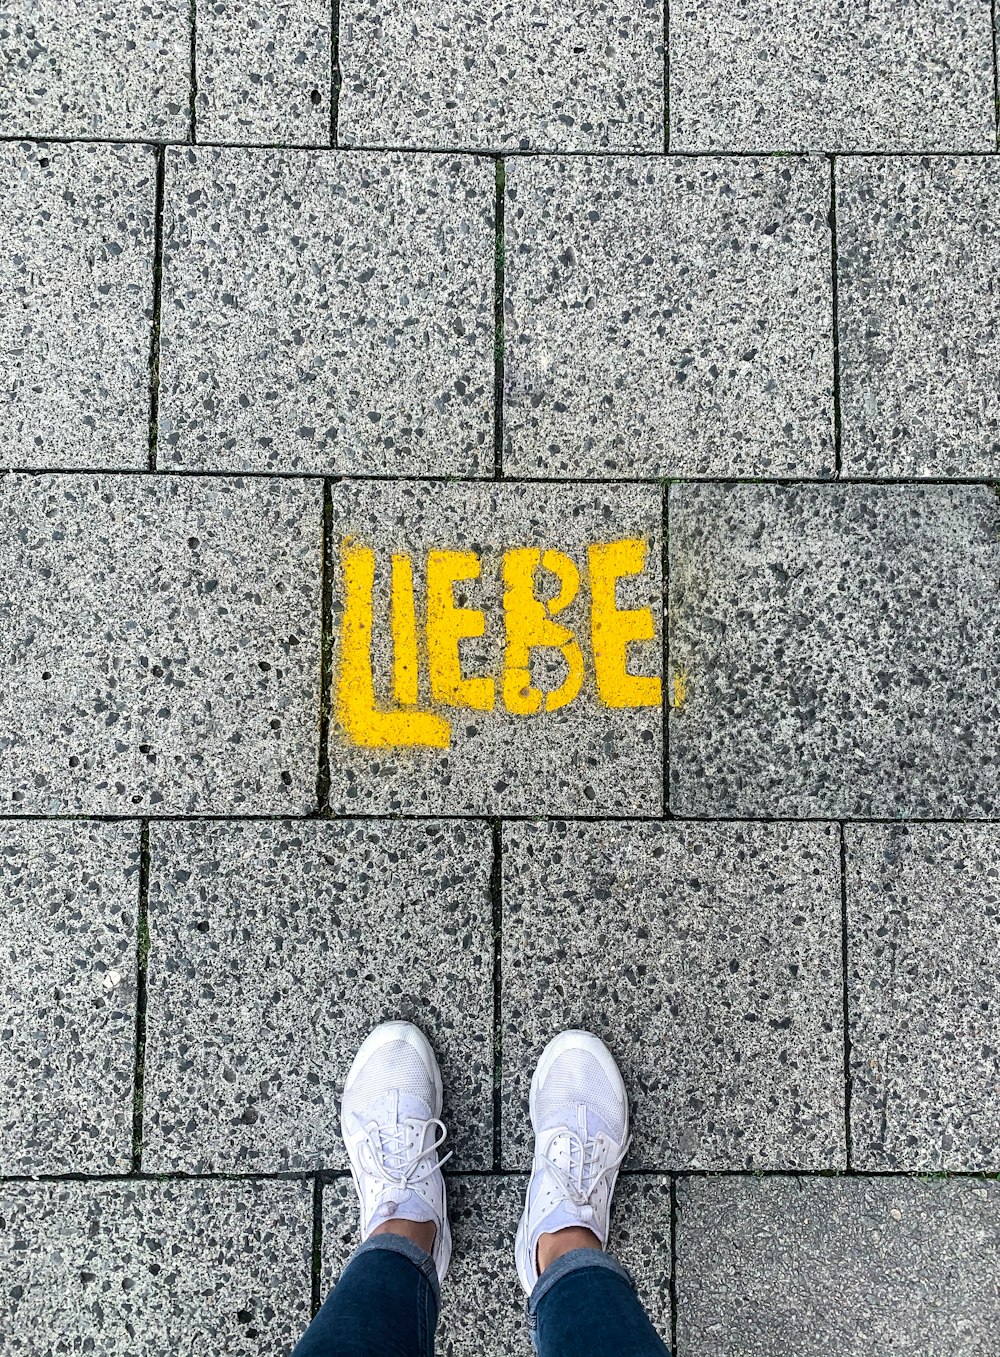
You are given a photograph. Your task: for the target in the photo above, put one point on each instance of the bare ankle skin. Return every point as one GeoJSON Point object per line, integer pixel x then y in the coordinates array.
{"type": "Point", "coordinates": [421, 1232]}
{"type": "Point", "coordinates": [553, 1246]}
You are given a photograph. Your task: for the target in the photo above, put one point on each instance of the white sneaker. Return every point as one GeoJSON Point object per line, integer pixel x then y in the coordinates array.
{"type": "Point", "coordinates": [579, 1113]}
{"type": "Point", "coordinates": [391, 1123]}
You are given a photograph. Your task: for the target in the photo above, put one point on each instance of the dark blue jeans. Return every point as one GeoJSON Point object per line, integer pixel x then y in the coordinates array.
{"type": "Point", "coordinates": [386, 1305]}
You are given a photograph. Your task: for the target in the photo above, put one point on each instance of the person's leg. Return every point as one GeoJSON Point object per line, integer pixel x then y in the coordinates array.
{"type": "Point", "coordinates": [584, 1305]}
{"type": "Point", "coordinates": [385, 1305]}
{"type": "Point", "coordinates": [581, 1302]}
{"type": "Point", "coordinates": [386, 1302]}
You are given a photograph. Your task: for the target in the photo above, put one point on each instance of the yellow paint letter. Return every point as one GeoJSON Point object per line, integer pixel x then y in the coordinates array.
{"type": "Point", "coordinates": [447, 624]}
{"type": "Point", "coordinates": [612, 629]}
{"type": "Point", "coordinates": [355, 686]}
{"type": "Point", "coordinates": [404, 633]}
{"type": "Point", "coordinates": [528, 624]}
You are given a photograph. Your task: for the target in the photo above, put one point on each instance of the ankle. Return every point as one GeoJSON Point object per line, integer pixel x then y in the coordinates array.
{"type": "Point", "coordinates": [420, 1232]}
{"type": "Point", "coordinates": [553, 1246]}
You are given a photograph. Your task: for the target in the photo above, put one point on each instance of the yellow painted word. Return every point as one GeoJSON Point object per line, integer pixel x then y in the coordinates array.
{"type": "Point", "coordinates": [529, 622]}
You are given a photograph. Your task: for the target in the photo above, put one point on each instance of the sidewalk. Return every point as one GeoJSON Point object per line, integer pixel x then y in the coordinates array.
{"type": "Point", "coordinates": [499, 528]}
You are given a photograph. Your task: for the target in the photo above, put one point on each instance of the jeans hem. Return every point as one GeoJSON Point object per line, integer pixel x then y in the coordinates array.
{"type": "Point", "coordinates": [420, 1258]}
{"type": "Point", "coordinates": [574, 1261]}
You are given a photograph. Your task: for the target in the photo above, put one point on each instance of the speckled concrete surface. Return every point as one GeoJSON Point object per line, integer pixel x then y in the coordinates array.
{"type": "Point", "coordinates": [327, 313]}
{"type": "Point", "coordinates": [274, 949]}
{"type": "Point", "coordinates": [923, 910]}
{"type": "Point", "coordinates": [551, 76]}
{"type": "Point", "coordinates": [782, 1267]}
{"type": "Point", "coordinates": [159, 643]}
{"type": "Point", "coordinates": [584, 757]}
{"type": "Point", "coordinates": [76, 304]}
{"type": "Point", "coordinates": [918, 389]}
{"type": "Point", "coordinates": [783, 75]}
{"type": "Point", "coordinates": [720, 944]}
{"type": "Point", "coordinates": [124, 1267]}
{"type": "Point", "coordinates": [84, 69]}
{"type": "Point", "coordinates": [668, 318]}
{"type": "Point", "coordinates": [67, 1006]}
{"type": "Point", "coordinates": [332, 337]}
{"type": "Point", "coordinates": [482, 1302]}
{"type": "Point", "coordinates": [833, 651]}
{"type": "Point", "coordinates": [263, 72]}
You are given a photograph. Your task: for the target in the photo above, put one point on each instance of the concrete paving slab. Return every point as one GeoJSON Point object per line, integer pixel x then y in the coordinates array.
{"type": "Point", "coordinates": [773, 75]}
{"type": "Point", "coordinates": [76, 284]}
{"type": "Point", "coordinates": [482, 1301]}
{"type": "Point", "coordinates": [82, 69]}
{"type": "Point", "coordinates": [159, 642]}
{"type": "Point", "coordinates": [833, 651]}
{"type": "Point", "coordinates": [264, 72]}
{"type": "Point", "coordinates": [923, 909]}
{"type": "Point", "coordinates": [470, 695]}
{"type": "Point", "coordinates": [327, 313]}
{"type": "Point", "coordinates": [709, 959]}
{"type": "Point", "coordinates": [668, 318]}
{"type": "Point", "coordinates": [67, 1007]}
{"type": "Point", "coordinates": [790, 1267]}
{"type": "Point", "coordinates": [109, 1268]}
{"type": "Point", "coordinates": [275, 949]}
{"type": "Point", "coordinates": [919, 267]}
{"type": "Point", "coordinates": [552, 76]}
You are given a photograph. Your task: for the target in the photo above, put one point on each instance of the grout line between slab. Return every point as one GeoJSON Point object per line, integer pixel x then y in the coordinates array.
{"type": "Point", "coordinates": [667, 681]}
{"type": "Point", "coordinates": [496, 900]}
{"type": "Point", "coordinates": [666, 77]}
{"type": "Point", "coordinates": [488, 817]}
{"type": "Point", "coordinates": [336, 78]}
{"type": "Point", "coordinates": [154, 334]}
{"type": "Point", "coordinates": [141, 971]}
{"type": "Point", "coordinates": [193, 79]}
{"type": "Point", "coordinates": [316, 1271]}
{"type": "Point", "coordinates": [499, 284]}
{"type": "Point", "coordinates": [834, 293]}
{"type": "Point", "coordinates": [988, 482]}
{"type": "Point", "coordinates": [326, 652]}
{"type": "Point", "coordinates": [673, 1264]}
{"type": "Point", "coordinates": [996, 73]}
{"type": "Point", "coordinates": [333, 1175]}
{"type": "Point", "coordinates": [491, 153]}
{"type": "Point", "coordinates": [848, 1089]}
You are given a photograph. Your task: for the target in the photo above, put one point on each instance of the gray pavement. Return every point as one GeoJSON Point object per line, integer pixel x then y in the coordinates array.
{"type": "Point", "coordinates": [498, 527]}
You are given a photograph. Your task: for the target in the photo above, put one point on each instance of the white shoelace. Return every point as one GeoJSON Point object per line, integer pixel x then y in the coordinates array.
{"type": "Point", "coordinates": [389, 1143]}
{"type": "Point", "coordinates": [583, 1178]}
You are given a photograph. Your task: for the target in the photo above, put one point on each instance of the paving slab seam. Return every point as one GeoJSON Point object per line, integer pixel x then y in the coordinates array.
{"type": "Point", "coordinates": [193, 76]}
{"type": "Point", "coordinates": [499, 293]}
{"type": "Point", "coordinates": [330, 1176]}
{"type": "Point", "coordinates": [326, 656]}
{"type": "Point", "coordinates": [665, 643]}
{"type": "Point", "coordinates": [154, 338]}
{"type": "Point", "coordinates": [786, 482]}
{"type": "Point", "coordinates": [846, 995]}
{"type": "Point", "coordinates": [673, 1263]}
{"type": "Point", "coordinates": [311, 817]}
{"type": "Point", "coordinates": [496, 903]}
{"type": "Point", "coordinates": [141, 995]}
{"type": "Point", "coordinates": [336, 74]}
{"type": "Point", "coordinates": [666, 76]}
{"type": "Point", "coordinates": [996, 68]}
{"type": "Point", "coordinates": [316, 1288]}
{"type": "Point", "coordinates": [479, 152]}
{"type": "Point", "coordinates": [838, 464]}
